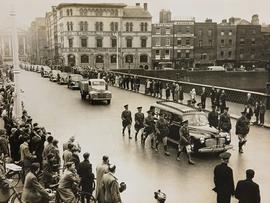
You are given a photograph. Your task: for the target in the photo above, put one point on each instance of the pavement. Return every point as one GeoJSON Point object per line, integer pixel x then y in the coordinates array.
{"type": "Point", "coordinates": [98, 130]}
{"type": "Point", "coordinates": [235, 109]}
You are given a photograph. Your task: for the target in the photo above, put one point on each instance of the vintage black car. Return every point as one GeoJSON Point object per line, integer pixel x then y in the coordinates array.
{"type": "Point", "coordinates": [204, 139]}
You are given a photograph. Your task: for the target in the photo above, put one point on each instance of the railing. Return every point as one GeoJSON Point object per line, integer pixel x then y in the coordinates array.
{"type": "Point", "coordinates": [232, 95]}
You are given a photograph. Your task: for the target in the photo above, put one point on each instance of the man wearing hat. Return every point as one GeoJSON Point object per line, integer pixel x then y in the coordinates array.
{"type": "Point", "coordinates": [223, 179]}
{"type": "Point", "coordinates": [213, 117]}
{"type": "Point", "coordinates": [184, 142]}
{"type": "Point", "coordinates": [162, 132]}
{"type": "Point", "coordinates": [242, 129]}
{"type": "Point", "coordinates": [126, 120]}
{"type": "Point", "coordinates": [139, 120]}
{"type": "Point", "coordinates": [225, 121]}
{"type": "Point", "coordinates": [248, 191]}
{"type": "Point", "coordinates": [33, 191]}
{"type": "Point", "coordinates": [203, 97]}
{"type": "Point", "coordinates": [149, 128]}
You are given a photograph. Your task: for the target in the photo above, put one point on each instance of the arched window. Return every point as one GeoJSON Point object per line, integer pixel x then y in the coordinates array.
{"type": "Point", "coordinates": [145, 27]}
{"type": "Point", "coordinates": [97, 26]}
{"type": "Point", "coordinates": [71, 26]}
{"type": "Point", "coordinates": [131, 27]}
{"type": "Point", "coordinates": [85, 26]}
{"type": "Point", "coordinates": [129, 58]}
{"type": "Point", "coordinates": [113, 58]}
{"type": "Point", "coordinates": [143, 58]}
{"type": "Point", "coordinates": [84, 58]}
{"type": "Point", "coordinates": [112, 26]}
{"type": "Point", "coordinates": [127, 27]}
{"type": "Point", "coordinates": [142, 27]}
{"type": "Point", "coordinates": [99, 59]}
{"type": "Point", "coordinates": [71, 60]}
{"type": "Point", "coordinates": [101, 26]}
{"type": "Point", "coordinates": [81, 26]}
{"type": "Point", "coordinates": [116, 26]}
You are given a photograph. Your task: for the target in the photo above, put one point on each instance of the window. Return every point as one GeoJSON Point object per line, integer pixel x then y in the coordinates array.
{"type": "Point", "coordinates": [129, 27]}
{"type": "Point", "coordinates": [157, 41]}
{"type": "Point", "coordinates": [157, 52]}
{"type": "Point", "coordinates": [61, 14]}
{"type": "Point", "coordinates": [253, 31]}
{"type": "Point", "coordinates": [222, 42]}
{"type": "Point", "coordinates": [84, 42]}
{"type": "Point", "coordinates": [210, 32]}
{"type": "Point", "coordinates": [200, 43]}
{"type": "Point", "coordinates": [114, 42]}
{"type": "Point", "coordinates": [230, 41]}
{"type": "Point", "coordinates": [230, 33]}
{"type": "Point", "coordinates": [70, 42]}
{"type": "Point", "coordinates": [210, 42]}
{"type": "Point", "coordinates": [69, 12]}
{"type": "Point", "coordinates": [81, 26]}
{"type": "Point", "coordinates": [230, 54]}
{"type": "Point", "coordinates": [143, 58]}
{"type": "Point", "coordinates": [222, 54]}
{"type": "Point", "coordinates": [99, 26]}
{"type": "Point", "coordinates": [187, 41]}
{"type": "Point", "coordinates": [142, 27]}
{"type": "Point", "coordinates": [179, 41]}
{"type": "Point", "coordinates": [187, 54]}
{"type": "Point", "coordinates": [113, 58]}
{"type": "Point", "coordinates": [69, 26]}
{"type": "Point", "coordinates": [114, 26]}
{"type": "Point", "coordinates": [187, 29]}
{"type": "Point", "coordinates": [168, 31]}
{"type": "Point", "coordinates": [222, 33]}
{"type": "Point", "coordinates": [84, 59]}
{"type": "Point", "coordinates": [253, 41]}
{"type": "Point", "coordinates": [178, 54]}
{"type": "Point", "coordinates": [200, 32]}
{"type": "Point", "coordinates": [242, 41]}
{"type": "Point", "coordinates": [167, 52]}
{"type": "Point", "coordinates": [143, 42]}
{"type": "Point", "coordinates": [129, 58]}
{"type": "Point", "coordinates": [204, 56]}
{"type": "Point", "coordinates": [99, 42]}
{"type": "Point", "coordinates": [129, 42]}
{"type": "Point", "coordinates": [168, 42]}
{"type": "Point", "coordinates": [157, 30]}
{"type": "Point", "coordinates": [99, 59]}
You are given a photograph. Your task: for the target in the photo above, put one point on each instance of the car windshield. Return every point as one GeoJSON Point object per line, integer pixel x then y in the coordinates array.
{"type": "Point", "coordinates": [98, 83]}
{"type": "Point", "coordinates": [76, 77]}
{"type": "Point", "coordinates": [196, 119]}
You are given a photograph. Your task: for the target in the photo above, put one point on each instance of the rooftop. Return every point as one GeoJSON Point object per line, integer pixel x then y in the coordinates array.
{"type": "Point", "coordinates": [96, 5]}
{"type": "Point", "coordinates": [136, 11]}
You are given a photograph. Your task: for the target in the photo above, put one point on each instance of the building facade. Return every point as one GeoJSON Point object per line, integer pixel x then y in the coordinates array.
{"type": "Point", "coordinates": [95, 34]}
{"type": "Point", "coordinates": [205, 46]}
{"type": "Point", "coordinates": [165, 16]}
{"type": "Point", "coordinates": [226, 44]}
{"type": "Point", "coordinates": [6, 54]}
{"type": "Point", "coordinates": [38, 41]}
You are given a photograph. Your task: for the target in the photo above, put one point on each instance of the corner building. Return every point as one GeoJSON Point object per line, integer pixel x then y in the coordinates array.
{"type": "Point", "coordinates": [90, 34]}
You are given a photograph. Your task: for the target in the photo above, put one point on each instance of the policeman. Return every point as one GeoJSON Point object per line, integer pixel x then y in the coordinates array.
{"type": "Point", "coordinates": [162, 132]}
{"type": "Point", "coordinates": [184, 142]}
{"type": "Point", "coordinates": [139, 120]}
{"type": "Point", "coordinates": [126, 120]}
{"type": "Point", "coordinates": [242, 129]}
{"type": "Point", "coordinates": [225, 121]}
{"type": "Point", "coordinates": [223, 179]}
{"type": "Point", "coordinates": [213, 117]}
{"type": "Point", "coordinates": [149, 128]}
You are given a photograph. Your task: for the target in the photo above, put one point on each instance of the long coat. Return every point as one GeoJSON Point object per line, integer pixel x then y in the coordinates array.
{"type": "Point", "coordinates": [86, 175]}
{"type": "Point", "coordinates": [247, 192]}
{"type": "Point", "coordinates": [111, 188]}
{"type": "Point", "coordinates": [225, 122]}
{"type": "Point", "coordinates": [224, 183]}
{"type": "Point", "coordinates": [242, 126]}
{"type": "Point", "coordinates": [33, 190]}
{"type": "Point", "coordinates": [100, 171]}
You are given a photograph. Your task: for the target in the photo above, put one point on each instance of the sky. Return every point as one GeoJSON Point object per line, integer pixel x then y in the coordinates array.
{"type": "Point", "coordinates": [217, 10]}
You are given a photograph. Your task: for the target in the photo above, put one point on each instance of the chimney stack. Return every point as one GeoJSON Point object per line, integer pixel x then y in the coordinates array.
{"type": "Point", "coordinates": [145, 6]}
{"type": "Point", "coordinates": [138, 4]}
{"type": "Point", "coordinates": [224, 21]}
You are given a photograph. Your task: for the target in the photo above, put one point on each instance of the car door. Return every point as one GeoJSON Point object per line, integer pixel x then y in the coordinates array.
{"type": "Point", "coordinates": [175, 125]}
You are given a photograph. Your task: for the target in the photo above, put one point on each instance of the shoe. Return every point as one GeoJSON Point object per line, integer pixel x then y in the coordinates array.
{"type": "Point", "coordinates": [130, 137]}
{"type": "Point", "coordinates": [167, 153]}
{"type": "Point", "coordinates": [156, 150]}
{"type": "Point", "coordinates": [135, 139]}
{"type": "Point", "coordinates": [178, 158]}
{"type": "Point", "coordinates": [241, 151]}
{"type": "Point", "coordinates": [191, 162]}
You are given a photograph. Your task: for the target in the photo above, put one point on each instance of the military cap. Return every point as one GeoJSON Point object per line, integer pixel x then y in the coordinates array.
{"type": "Point", "coordinates": [213, 106]}
{"type": "Point", "coordinates": [139, 107]}
{"type": "Point", "coordinates": [225, 155]}
{"type": "Point", "coordinates": [126, 105]}
{"type": "Point", "coordinates": [69, 164]}
{"type": "Point", "coordinates": [35, 165]}
{"type": "Point", "coordinates": [35, 124]}
{"type": "Point", "coordinates": [149, 111]}
{"type": "Point", "coordinates": [112, 167]}
{"type": "Point", "coordinates": [243, 112]}
{"type": "Point", "coordinates": [199, 104]}
{"type": "Point", "coordinates": [226, 108]}
{"type": "Point", "coordinates": [185, 121]}
{"type": "Point", "coordinates": [50, 155]}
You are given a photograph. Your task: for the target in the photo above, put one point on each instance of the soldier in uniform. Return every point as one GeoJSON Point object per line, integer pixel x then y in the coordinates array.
{"type": "Point", "coordinates": [225, 121]}
{"type": "Point", "coordinates": [162, 132]}
{"type": "Point", "coordinates": [149, 128]}
{"type": "Point", "coordinates": [213, 117]}
{"type": "Point", "coordinates": [126, 120]}
{"type": "Point", "coordinates": [139, 120]}
{"type": "Point", "coordinates": [223, 179]}
{"type": "Point", "coordinates": [184, 142]}
{"type": "Point", "coordinates": [242, 129]}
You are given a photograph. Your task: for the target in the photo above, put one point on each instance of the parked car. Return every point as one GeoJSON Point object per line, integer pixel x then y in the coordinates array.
{"type": "Point", "coordinates": [95, 90]}
{"type": "Point", "coordinates": [63, 78]}
{"type": "Point", "coordinates": [204, 139]}
{"type": "Point", "coordinates": [55, 75]}
{"type": "Point", "coordinates": [74, 81]}
{"type": "Point", "coordinates": [45, 71]}
{"type": "Point", "coordinates": [216, 68]}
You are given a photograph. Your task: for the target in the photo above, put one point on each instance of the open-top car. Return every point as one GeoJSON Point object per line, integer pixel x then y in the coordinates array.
{"type": "Point", "coordinates": [55, 75]}
{"type": "Point", "coordinates": [74, 81]}
{"type": "Point", "coordinates": [63, 78]}
{"type": "Point", "coordinates": [95, 90]}
{"type": "Point", "coordinates": [204, 139]}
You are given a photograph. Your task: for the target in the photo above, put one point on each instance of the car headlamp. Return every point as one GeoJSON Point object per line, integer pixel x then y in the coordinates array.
{"type": "Point", "coordinates": [202, 140]}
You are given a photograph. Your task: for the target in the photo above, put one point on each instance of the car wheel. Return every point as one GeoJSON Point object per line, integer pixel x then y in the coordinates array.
{"type": "Point", "coordinates": [108, 101]}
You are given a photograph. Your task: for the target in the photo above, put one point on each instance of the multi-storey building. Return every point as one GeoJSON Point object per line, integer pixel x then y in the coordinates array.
{"type": "Point", "coordinates": [95, 34]}
{"type": "Point", "coordinates": [6, 54]}
{"type": "Point", "coordinates": [205, 46]}
{"type": "Point", "coordinates": [38, 41]}
{"type": "Point", "coordinates": [248, 43]}
{"type": "Point", "coordinates": [266, 44]}
{"type": "Point", "coordinates": [226, 43]}
{"type": "Point", "coordinates": [165, 16]}
{"type": "Point", "coordinates": [183, 43]}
